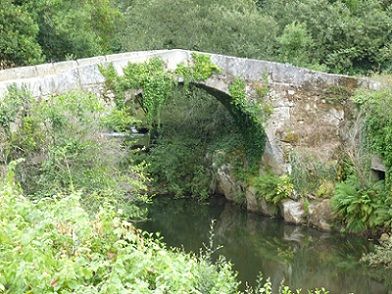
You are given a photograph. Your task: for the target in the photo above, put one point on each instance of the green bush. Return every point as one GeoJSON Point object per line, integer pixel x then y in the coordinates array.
{"type": "Point", "coordinates": [361, 203]}
{"type": "Point", "coordinates": [39, 30]}
{"type": "Point", "coordinates": [119, 120]}
{"type": "Point", "coordinates": [230, 27]}
{"type": "Point", "coordinates": [296, 45]}
{"type": "Point", "coordinates": [362, 208]}
{"type": "Point", "coordinates": [61, 140]}
{"type": "Point", "coordinates": [377, 111]}
{"type": "Point", "coordinates": [18, 44]}
{"type": "Point", "coordinates": [273, 188]}
{"type": "Point", "coordinates": [151, 77]}
{"type": "Point", "coordinates": [54, 245]}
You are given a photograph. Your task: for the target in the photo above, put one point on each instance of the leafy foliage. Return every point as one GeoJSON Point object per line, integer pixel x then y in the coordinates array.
{"type": "Point", "coordinates": [382, 256]}
{"type": "Point", "coordinates": [187, 163]}
{"type": "Point", "coordinates": [18, 44]}
{"type": "Point", "coordinates": [352, 37]}
{"type": "Point", "coordinates": [362, 208]}
{"type": "Point", "coordinates": [63, 147]}
{"type": "Point", "coordinates": [151, 77]}
{"type": "Point", "coordinates": [338, 36]}
{"type": "Point", "coordinates": [231, 27]}
{"type": "Point", "coordinates": [378, 122]}
{"type": "Point", "coordinates": [194, 127]}
{"type": "Point", "coordinates": [361, 203]}
{"type": "Point", "coordinates": [201, 69]}
{"type": "Point", "coordinates": [296, 46]}
{"type": "Point", "coordinates": [273, 188]}
{"type": "Point", "coordinates": [347, 37]}
{"type": "Point", "coordinates": [119, 120]}
{"type": "Point", "coordinates": [35, 30]}
{"type": "Point", "coordinates": [54, 245]}
{"type": "Point", "coordinates": [249, 119]}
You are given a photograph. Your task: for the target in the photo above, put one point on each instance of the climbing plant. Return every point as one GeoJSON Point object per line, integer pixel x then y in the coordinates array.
{"type": "Point", "coordinates": [150, 77]}
{"type": "Point", "coordinates": [248, 116]}
{"type": "Point", "coordinates": [155, 82]}
{"type": "Point", "coordinates": [201, 69]}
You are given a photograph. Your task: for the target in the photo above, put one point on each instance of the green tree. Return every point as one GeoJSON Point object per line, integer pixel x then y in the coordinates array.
{"type": "Point", "coordinates": [227, 27]}
{"type": "Point", "coordinates": [349, 36]}
{"type": "Point", "coordinates": [73, 29]}
{"type": "Point", "coordinates": [296, 44]}
{"type": "Point", "coordinates": [18, 45]}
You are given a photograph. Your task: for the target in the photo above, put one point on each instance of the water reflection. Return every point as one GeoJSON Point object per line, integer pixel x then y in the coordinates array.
{"type": "Point", "coordinates": [302, 257]}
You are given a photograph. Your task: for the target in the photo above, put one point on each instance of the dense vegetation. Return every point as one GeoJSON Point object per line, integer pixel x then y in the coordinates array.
{"type": "Point", "coordinates": [54, 246]}
{"type": "Point", "coordinates": [57, 159]}
{"type": "Point", "coordinates": [61, 142]}
{"type": "Point", "coordinates": [35, 31]}
{"type": "Point", "coordinates": [344, 36]}
{"type": "Point", "coordinates": [361, 199]}
{"type": "Point", "coordinates": [73, 237]}
{"type": "Point", "coordinates": [66, 198]}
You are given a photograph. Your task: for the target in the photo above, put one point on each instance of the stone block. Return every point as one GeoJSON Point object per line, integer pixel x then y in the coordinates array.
{"type": "Point", "coordinates": [259, 205]}
{"type": "Point", "coordinates": [293, 212]}
{"type": "Point", "coordinates": [320, 214]}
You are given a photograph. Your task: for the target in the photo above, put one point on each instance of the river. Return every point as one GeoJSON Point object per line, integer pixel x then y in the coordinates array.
{"type": "Point", "coordinates": [302, 257]}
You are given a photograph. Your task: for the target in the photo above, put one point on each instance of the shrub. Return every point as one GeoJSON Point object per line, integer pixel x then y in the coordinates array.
{"type": "Point", "coordinates": [377, 110]}
{"type": "Point", "coordinates": [18, 44]}
{"type": "Point", "coordinates": [296, 44]}
{"type": "Point", "coordinates": [54, 245]}
{"type": "Point", "coordinates": [230, 27]}
{"type": "Point", "coordinates": [273, 188]}
{"type": "Point", "coordinates": [61, 140]}
{"type": "Point", "coordinates": [362, 208]}
{"type": "Point", "coordinates": [119, 120]}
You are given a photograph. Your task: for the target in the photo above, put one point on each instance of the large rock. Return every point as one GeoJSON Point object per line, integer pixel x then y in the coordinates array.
{"type": "Point", "coordinates": [259, 205]}
{"type": "Point", "coordinates": [293, 212]}
{"type": "Point", "coordinates": [321, 215]}
{"type": "Point", "coordinates": [227, 184]}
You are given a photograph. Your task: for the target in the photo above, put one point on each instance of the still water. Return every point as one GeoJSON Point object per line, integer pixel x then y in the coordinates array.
{"type": "Point", "coordinates": [302, 257]}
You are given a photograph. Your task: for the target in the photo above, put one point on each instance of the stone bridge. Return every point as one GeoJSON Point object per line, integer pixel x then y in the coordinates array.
{"type": "Point", "coordinates": [308, 107]}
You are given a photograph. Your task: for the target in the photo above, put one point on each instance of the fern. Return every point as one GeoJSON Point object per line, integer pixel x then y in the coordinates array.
{"type": "Point", "coordinates": [362, 208]}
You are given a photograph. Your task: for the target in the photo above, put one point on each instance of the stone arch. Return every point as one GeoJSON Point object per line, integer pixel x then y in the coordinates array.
{"type": "Point", "coordinates": [291, 89]}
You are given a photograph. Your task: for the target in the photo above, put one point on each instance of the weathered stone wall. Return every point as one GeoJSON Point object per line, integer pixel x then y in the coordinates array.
{"type": "Point", "coordinates": [306, 118]}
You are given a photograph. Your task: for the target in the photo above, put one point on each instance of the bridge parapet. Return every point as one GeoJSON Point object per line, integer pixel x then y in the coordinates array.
{"type": "Point", "coordinates": [303, 118]}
